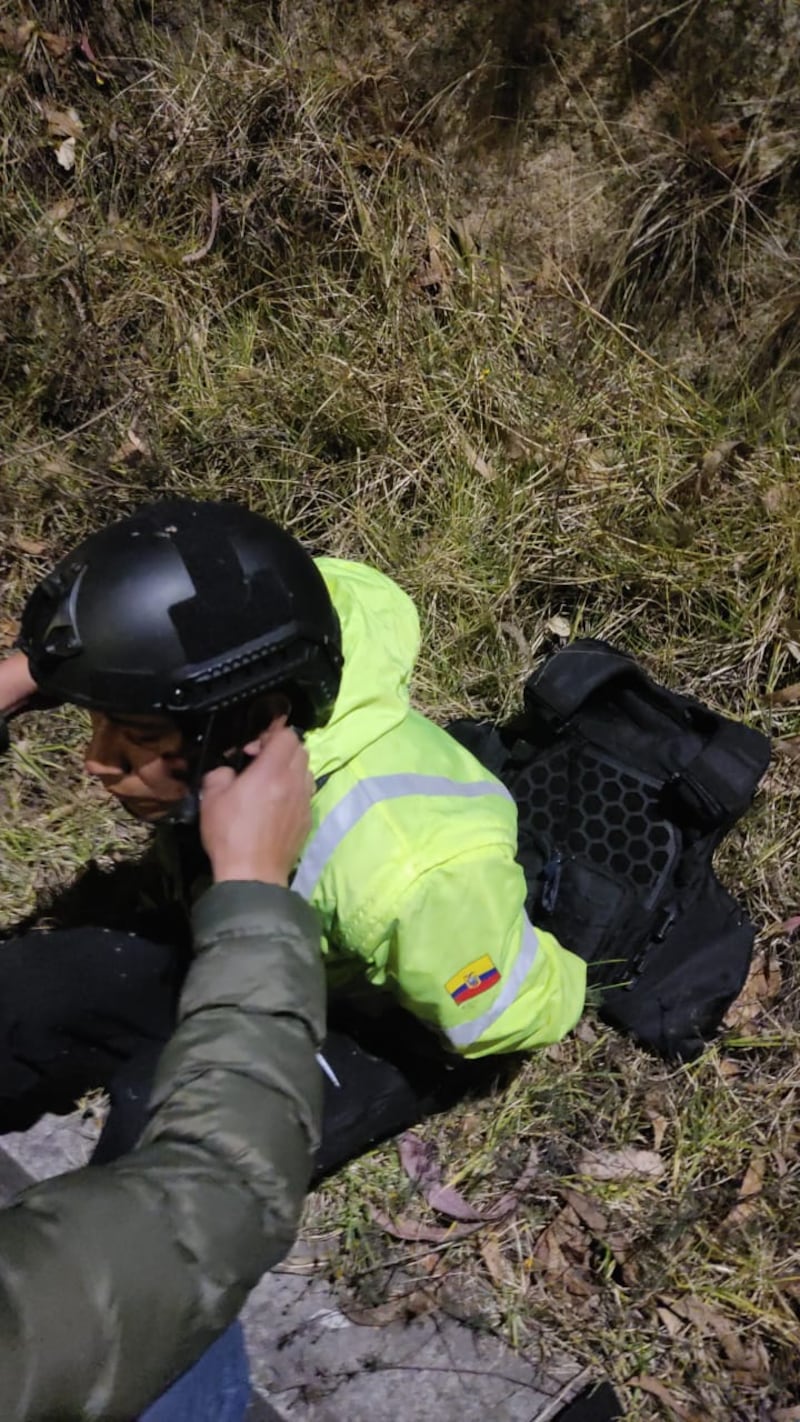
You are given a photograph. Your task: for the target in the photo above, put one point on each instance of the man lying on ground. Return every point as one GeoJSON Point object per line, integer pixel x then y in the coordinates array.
{"type": "Point", "coordinates": [185, 630]}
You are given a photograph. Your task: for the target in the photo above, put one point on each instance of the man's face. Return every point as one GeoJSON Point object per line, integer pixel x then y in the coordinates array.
{"type": "Point", "coordinates": [140, 760]}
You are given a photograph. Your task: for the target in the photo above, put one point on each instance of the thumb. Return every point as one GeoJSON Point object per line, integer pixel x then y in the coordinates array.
{"type": "Point", "coordinates": [217, 781]}
{"type": "Point", "coordinates": [262, 740]}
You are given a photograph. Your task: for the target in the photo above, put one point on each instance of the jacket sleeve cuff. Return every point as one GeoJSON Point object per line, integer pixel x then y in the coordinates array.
{"type": "Point", "coordinates": [237, 905]}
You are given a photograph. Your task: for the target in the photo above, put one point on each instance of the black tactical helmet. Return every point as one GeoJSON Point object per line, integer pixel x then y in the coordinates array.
{"type": "Point", "coordinates": [187, 609]}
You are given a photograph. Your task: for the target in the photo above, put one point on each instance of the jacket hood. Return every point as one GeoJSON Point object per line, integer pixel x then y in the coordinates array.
{"type": "Point", "coordinates": [380, 642]}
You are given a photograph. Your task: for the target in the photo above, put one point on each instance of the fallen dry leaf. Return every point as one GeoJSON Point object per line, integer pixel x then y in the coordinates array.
{"type": "Point", "coordinates": [761, 988]}
{"type": "Point", "coordinates": [719, 458]}
{"type": "Point", "coordinates": [787, 1414]}
{"type": "Point", "coordinates": [746, 1356]}
{"type": "Point", "coordinates": [65, 154]}
{"type": "Point", "coordinates": [547, 1253]}
{"type": "Point", "coordinates": [774, 151]}
{"type": "Point", "coordinates": [515, 632]}
{"type": "Point", "coordinates": [659, 1124]}
{"type": "Point", "coordinates": [9, 630]}
{"type": "Point", "coordinates": [404, 1306]}
{"type": "Point", "coordinates": [749, 1194]}
{"type": "Point", "coordinates": [498, 1267]}
{"type": "Point", "coordinates": [26, 545]}
{"type": "Point", "coordinates": [15, 38]}
{"type": "Point", "coordinates": [434, 272]}
{"type": "Point", "coordinates": [777, 498]}
{"type": "Point", "coordinates": [56, 45]}
{"type": "Point", "coordinates": [549, 276]}
{"type": "Point", "coordinates": [659, 1390]}
{"type": "Point", "coordinates": [578, 1285]}
{"type": "Point", "coordinates": [308, 1256]}
{"type": "Point", "coordinates": [670, 1321]}
{"type": "Point", "coordinates": [785, 929]}
{"type": "Point", "coordinates": [85, 47]}
{"type": "Point", "coordinates": [586, 1033]}
{"type": "Point", "coordinates": [132, 450]}
{"type": "Point", "coordinates": [787, 696]}
{"type": "Point", "coordinates": [467, 232]}
{"type": "Point", "coordinates": [419, 1160]}
{"type": "Point", "coordinates": [62, 123]}
{"type": "Point", "coordinates": [562, 1253]}
{"type": "Point", "coordinates": [788, 746]}
{"type": "Point", "coordinates": [59, 211]}
{"type": "Point", "coordinates": [586, 1209]}
{"type": "Point", "coordinates": [619, 1244]}
{"type": "Point", "coordinates": [753, 1181]}
{"type": "Point", "coordinates": [516, 446]}
{"type": "Point", "coordinates": [475, 459]}
{"type": "Point", "coordinates": [415, 1232]}
{"type": "Point", "coordinates": [559, 626]}
{"type": "Point", "coordinates": [625, 1164]}
{"type": "Point", "coordinates": [213, 224]}
{"type": "Point", "coordinates": [719, 144]}
{"type": "Point", "coordinates": [781, 1164]}
{"type": "Point", "coordinates": [448, 1201]}
{"type": "Point", "coordinates": [420, 1163]}
{"type": "Point", "coordinates": [699, 482]}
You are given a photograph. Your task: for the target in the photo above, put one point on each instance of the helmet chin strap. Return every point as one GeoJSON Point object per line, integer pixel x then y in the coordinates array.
{"type": "Point", "coordinates": [204, 756]}
{"type": "Point", "coordinates": [187, 810]}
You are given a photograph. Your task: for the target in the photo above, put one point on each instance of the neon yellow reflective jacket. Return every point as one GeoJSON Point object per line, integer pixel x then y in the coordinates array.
{"type": "Point", "coordinates": [410, 862]}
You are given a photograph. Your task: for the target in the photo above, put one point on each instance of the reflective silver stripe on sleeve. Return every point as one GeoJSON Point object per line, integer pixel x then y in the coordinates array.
{"type": "Point", "coordinates": [354, 805]}
{"type": "Point", "coordinates": [469, 1032]}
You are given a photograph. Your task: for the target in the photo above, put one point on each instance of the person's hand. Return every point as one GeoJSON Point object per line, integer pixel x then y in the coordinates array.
{"type": "Point", "coordinates": [254, 825]}
{"type": "Point", "coordinates": [16, 684]}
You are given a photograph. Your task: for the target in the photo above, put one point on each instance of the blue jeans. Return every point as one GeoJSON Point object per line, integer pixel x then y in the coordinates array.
{"type": "Point", "coordinates": [215, 1389]}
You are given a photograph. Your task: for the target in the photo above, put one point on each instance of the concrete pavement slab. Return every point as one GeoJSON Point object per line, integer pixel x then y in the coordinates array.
{"type": "Point", "coordinates": [315, 1365]}
{"type": "Point", "coordinates": [311, 1363]}
{"type": "Point", "coordinates": [51, 1147]}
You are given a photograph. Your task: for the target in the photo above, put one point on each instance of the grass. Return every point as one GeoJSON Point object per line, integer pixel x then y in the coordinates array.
{"type": "Point", "coordinates": [512, 427]}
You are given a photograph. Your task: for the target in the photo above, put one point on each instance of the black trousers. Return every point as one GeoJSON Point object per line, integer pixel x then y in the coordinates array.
{"type": "Point", "coordinates": [92, 1007]}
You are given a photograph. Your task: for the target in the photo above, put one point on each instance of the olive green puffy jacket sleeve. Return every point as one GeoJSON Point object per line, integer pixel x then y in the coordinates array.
{"type": "Point", "coordinates": [115, 1278]}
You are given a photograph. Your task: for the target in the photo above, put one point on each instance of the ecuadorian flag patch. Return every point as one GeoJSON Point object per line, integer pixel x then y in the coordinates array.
{"type": "Point", "coordinates": [476, 978]}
